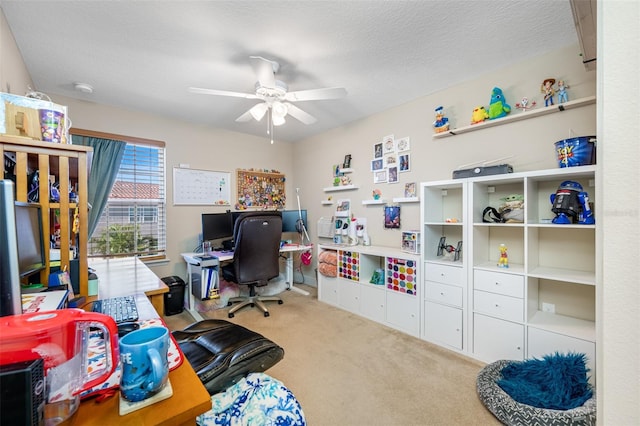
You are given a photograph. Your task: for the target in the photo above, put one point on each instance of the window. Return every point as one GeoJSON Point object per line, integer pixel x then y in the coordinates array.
{"type": "Point", "coordinates": [134, 220]}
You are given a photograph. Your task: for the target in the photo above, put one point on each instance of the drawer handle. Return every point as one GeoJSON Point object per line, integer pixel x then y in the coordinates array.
{"type": "Point", "coordinates": [497, 283]}
{"type": "Point", "coordinates": [442, 293]}
{"type": "Point", "coordinates": [497, 306]}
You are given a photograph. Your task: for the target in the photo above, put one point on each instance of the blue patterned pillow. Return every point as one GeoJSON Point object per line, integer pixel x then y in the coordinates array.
{"type": "Point", "coordinates": [556, 381]}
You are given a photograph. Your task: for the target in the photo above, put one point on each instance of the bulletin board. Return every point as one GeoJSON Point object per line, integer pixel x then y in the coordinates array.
{"type": "Point", "coordinates": [262, 189]}
{"type": "Point", "coordinates": [201, 187]}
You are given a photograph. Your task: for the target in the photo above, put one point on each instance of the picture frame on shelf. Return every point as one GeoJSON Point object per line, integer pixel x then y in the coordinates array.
{"type": "Point", "coordinates": [403, 144]}
{"type": "Point", "coordinates": [392, 175]}
{"type": "Point", "coordinates": [347, 162]}
{"type": "Point", "coordinates": [377, 150]}
{"type": "Point", "coordinates": [377, 164]}
{"type": "Point", "coordinates": [410, 190]}
{"type": "Point", "coordinates": [380, 176]}
{"type": "Point", "coordinates": [404, 162]}
{"type": "Point", "coordinates": [388, 144]}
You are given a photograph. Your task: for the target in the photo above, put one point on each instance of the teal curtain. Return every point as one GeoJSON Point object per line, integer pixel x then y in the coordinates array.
{"type": "Point", "coordinates": [107, 155]}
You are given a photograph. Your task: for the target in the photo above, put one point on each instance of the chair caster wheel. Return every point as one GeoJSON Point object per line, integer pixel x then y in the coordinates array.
{"type": "Point", "coordinates": [231, 315]}
{"type": "Point", "coordinates": [253, 305]}
{"type": "Point", "coordinates": [229, 303]}
{"type": "Point", "coordinates": [280, 302]}
{"type": "Point", "coordinates": [266, 314]}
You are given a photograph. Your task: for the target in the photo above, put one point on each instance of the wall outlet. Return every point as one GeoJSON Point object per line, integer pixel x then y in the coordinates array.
{"type": "Point", "coordinates": [549, 307]}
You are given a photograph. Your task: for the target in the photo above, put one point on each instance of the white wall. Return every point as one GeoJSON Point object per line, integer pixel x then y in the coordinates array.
{"type": "Point", "coordinates": [528, 143]}
{"type": "Point", "coordinates": [618, 291]}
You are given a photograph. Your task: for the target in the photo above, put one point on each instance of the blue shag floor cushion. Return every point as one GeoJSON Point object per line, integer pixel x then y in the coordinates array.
{"type": "Point", "coordinates": [512, 412]}
{"type": "Point", "coordinates": [556, 381]}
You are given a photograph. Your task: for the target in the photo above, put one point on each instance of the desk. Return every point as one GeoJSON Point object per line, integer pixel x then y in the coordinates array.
{"type": "Point", "coordinates": [190, 397]}
{"type": "Point", "coordinates": [129, 275]}
{"type": "Point", "coordinates": [192, 259]}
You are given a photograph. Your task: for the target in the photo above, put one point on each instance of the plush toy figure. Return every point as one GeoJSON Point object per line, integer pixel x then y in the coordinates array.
{"type": "Point", "coordinates": [498, 107]}
{"type": "Point", "coordinates": [479, 115]}
{"type": "Point", "coordinates": [442, 123]}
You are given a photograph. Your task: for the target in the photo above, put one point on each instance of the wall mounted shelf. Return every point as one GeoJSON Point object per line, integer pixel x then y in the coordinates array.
{"type": "Point", "coordinates": [536, 112]}
{"type": "Point", "coordinates": [326, 202]}
{"type": "Point", "coordinates": [340, 188]}
{"type": "Point", "coordinates": [373, 202]}
{"type": "Point", "coordinates": [406, 200]}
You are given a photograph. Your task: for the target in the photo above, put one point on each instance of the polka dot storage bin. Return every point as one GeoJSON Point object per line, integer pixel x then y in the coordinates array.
{"type": "Point", "coordinates": [401, 275]}
{"type": "Point", "coordinates": [349, 265]}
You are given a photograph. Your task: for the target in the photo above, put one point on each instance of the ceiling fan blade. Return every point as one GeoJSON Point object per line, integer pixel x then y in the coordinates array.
{"type": "Point", "coordinates": [316, 94]}
{"type": "Point", "coordinates": [222, 93]}
{"type": "Point", "coordinates": [265, 70]}
{"type": "Point", "coordinates": [257, 112]}
{"type": "Point", "coordinates": [299, 114]}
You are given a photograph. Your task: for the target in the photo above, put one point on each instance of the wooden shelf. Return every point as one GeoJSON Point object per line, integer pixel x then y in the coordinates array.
{"type": "Point", "coordinates": [326, 203]}
{"type": "Point", "coordinates": [536, 112]}
{"type": "Point", "coordinates": [340, 188]}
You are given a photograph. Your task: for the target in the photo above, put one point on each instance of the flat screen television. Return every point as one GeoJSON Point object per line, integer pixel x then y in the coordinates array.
{"type": "Point", "coordinates": [10, 299]}
{"type": "Point", "coordinates": [30, 236]}
{"type": "Point", "coordinates": [216, 226]}
{"type": "Point", "coordinates": [290, 219]}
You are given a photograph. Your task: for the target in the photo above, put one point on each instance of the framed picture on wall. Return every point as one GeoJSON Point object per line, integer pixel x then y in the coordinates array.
{"type": "Point", "coordinates": [410, 190]}
{"type": "Point", "coordinates": [377, 164]}
{"type": "Point", "coordinates": [377, 150]}
{"type": "Point", "coordinates": [380, 176]}
{"type": "Point", "coordinates": [388, 145]}
{"type": "Point", "coordinates": [390, 159]}
{"type": "Point", "coordinates": [404, 163]}
{"type": "Point", "coordinates": [403, 144]}
{"type": "Point", "coordinates": [392, 217]}
{"type": "Point", "coordinates": [392, 175]}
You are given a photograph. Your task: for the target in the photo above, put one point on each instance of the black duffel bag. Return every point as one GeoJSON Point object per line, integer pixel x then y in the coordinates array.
{"type": "Point", "coordinates": [221, 353]}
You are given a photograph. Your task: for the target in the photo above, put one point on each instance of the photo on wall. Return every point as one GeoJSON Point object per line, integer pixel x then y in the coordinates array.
{"type": "Point", "coordinates": [388, 144]}
{"type": "Point", "coordinates": [404, 162]}
{"type": "Point", "coordinates": [392, 217]}
{"type": "Point", "coordinates": [380, 176]}
{"type": "Point", "coordinates": [377, 150]}
{"type": "Point", "coordinates": [403, 144]}
{"type": "Point", "coordinates": [377, 164]}
{"type": "Point", "coordinates": [410, 190]}
{"type": "Point", "coordinates": [392, 175]}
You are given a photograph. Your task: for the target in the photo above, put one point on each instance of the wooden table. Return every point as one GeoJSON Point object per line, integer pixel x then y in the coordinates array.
{"type": "Point", "coordinates": [129, 275]}
{"type": "Point", "coordinates": [190, 398]}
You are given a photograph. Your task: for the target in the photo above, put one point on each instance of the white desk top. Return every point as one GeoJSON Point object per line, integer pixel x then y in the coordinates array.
{"type": "Point", "coordinates": [224, 256]}
{"type": "Point", "coordinates": [126, 275]}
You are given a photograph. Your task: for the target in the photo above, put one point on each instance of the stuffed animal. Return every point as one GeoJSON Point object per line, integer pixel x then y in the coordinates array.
{"type": "Point", "coordinates": [479, 115]}
{"type": "Point", "coordinates": [442, 123]}
{"type": "Point", "coordinates": [498, 107]}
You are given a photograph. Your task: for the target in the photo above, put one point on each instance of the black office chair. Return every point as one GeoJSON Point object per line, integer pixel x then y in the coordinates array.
{"type": "Point", "coordinates": [255, 257]}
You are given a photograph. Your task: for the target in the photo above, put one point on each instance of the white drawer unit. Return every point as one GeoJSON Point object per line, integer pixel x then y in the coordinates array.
{"type": "Point", "coordinates": [543, 342]}
{"type": "Point", "coordinates": [500, 283]}
{"type": "Point", "coordinates": [495, 339]}
{"type": "Point", "coordinates": [328, 291]}
{"type": "Point", "coordinates": [446, 274]}
{"type": "Point", "coordinates": [443, 325]}
{"type": "Point", "coordinates": [499, 306]}
{"type": "Point", "coordinates": [373, 302]}
{"type": "Point", "coordinates": [444, 293]}
{"type": "Point", "coordinates": [403, 312]}
{"type": "Point", "coordinates": [349, 295]}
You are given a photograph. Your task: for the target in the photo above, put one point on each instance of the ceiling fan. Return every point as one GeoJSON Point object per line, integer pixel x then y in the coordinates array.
{"type": "Point", "coordinates": [277, 101]}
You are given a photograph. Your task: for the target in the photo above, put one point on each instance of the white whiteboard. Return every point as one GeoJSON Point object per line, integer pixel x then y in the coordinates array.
{"type": "Point", "coordinates": [201, 187]}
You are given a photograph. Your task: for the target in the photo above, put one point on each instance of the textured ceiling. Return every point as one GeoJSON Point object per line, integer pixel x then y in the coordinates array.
{"type": "Point", "coordinates": [143, 55]}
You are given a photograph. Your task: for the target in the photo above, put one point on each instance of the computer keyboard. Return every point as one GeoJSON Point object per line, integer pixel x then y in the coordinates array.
{"type": "Point", "coordinates": [121, 308]}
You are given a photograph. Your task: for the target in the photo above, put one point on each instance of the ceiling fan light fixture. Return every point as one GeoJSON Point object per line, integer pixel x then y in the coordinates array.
{"type": "Point", "coordinates": [277, 120]}
{"type": "Point", "coordinates": [257, 112]}
{"type": "Point", "coordinates": [279, 109]}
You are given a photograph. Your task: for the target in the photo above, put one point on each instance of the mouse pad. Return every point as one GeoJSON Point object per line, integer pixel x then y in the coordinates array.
{"type": "Point", "coordinates": [97, 359]}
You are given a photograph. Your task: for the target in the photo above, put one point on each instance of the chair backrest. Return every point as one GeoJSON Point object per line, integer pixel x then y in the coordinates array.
{"type": "Point", "coordinates": [257, 247]}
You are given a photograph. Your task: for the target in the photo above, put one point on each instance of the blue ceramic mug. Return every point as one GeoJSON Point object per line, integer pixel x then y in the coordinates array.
{"type": "Point", "coordinates": [145, 368]}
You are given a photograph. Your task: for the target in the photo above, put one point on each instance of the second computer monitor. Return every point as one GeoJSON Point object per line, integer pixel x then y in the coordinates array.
{"type": "Point", "coordinates": [290, 219]}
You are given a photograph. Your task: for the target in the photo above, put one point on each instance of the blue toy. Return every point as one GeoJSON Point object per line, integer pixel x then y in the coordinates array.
{"type": "Point", "coordinates": [498, 107]}
{"type": "Point", "coordinates": [571, 204]}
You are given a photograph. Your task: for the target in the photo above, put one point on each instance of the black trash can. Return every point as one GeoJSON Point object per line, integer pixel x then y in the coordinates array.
{"type": "Point", "coordinates": [174, 298]}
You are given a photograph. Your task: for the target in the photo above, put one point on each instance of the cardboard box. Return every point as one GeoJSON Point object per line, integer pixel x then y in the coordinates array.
{"type": "Point", "coordinates": [35, 119]}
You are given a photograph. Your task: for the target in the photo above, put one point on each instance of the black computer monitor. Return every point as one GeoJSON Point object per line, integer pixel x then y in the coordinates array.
{"type": "Point", "coordinates": [216, 226]}
{"type": "Point", "coordinates": [10, 299]}
{"type": "Point", "coordinates": [290, 219]}
{"type": "Point", "coordinates": [30, 237]}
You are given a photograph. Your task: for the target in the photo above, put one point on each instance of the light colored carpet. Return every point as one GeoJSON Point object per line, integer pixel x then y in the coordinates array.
{"type": "Point", "coordinates": [347, 370]}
